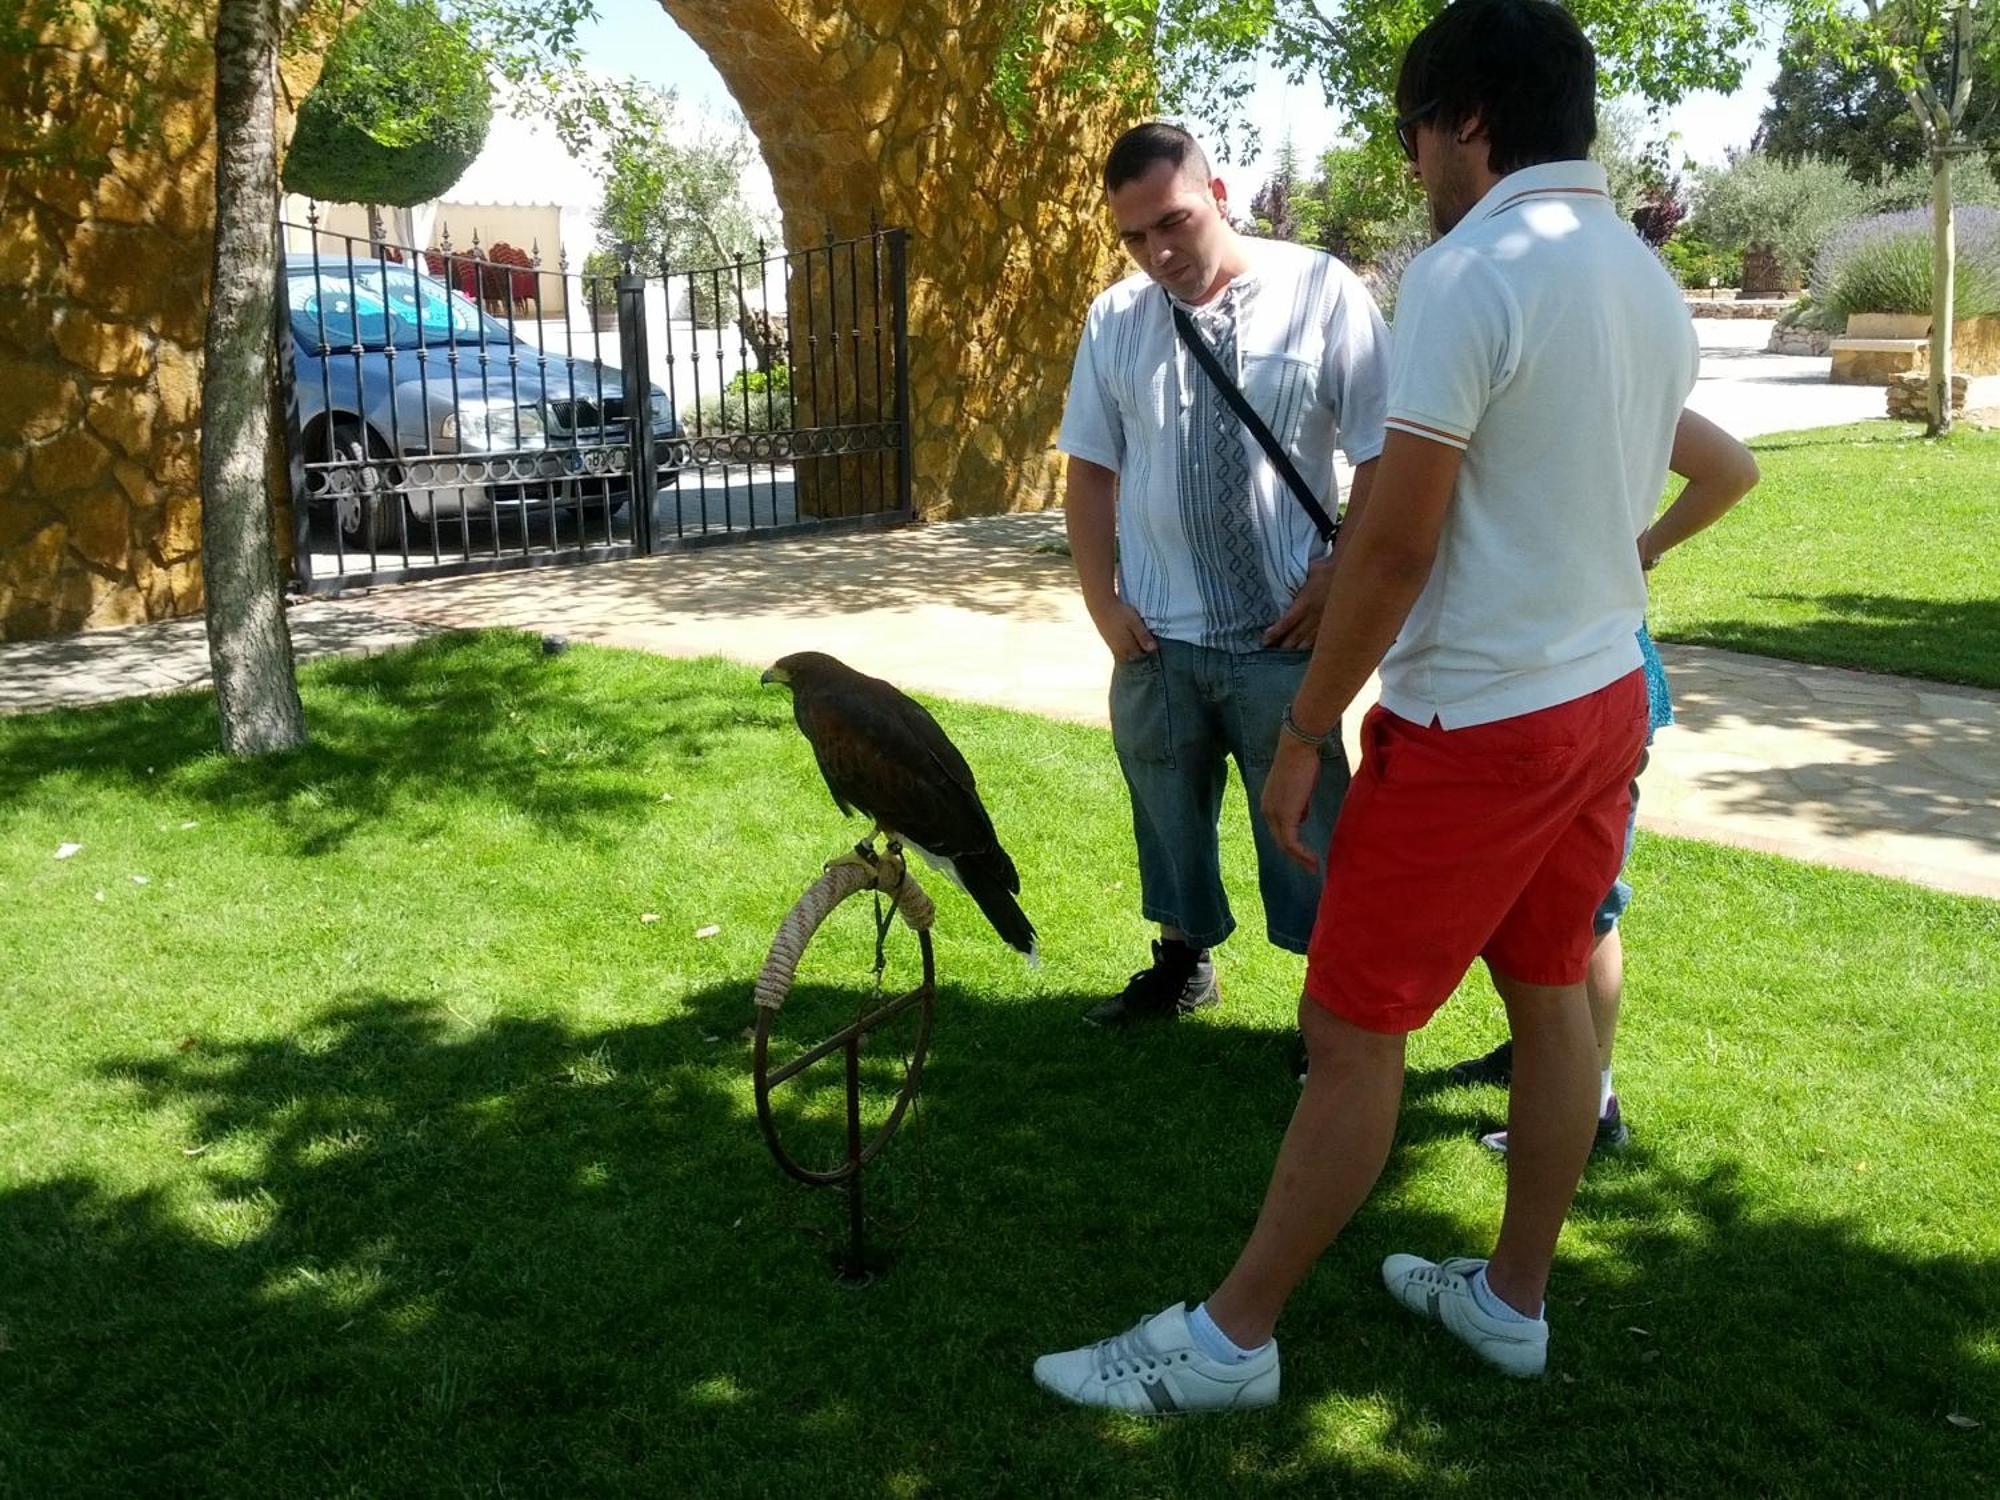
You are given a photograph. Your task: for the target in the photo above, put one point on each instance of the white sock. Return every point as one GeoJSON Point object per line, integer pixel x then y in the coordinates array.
{"type": "Point", "coordinates": [1215, 1344]}
{"type": "Point", "coordinates": [1603, 1093]}
{"type": "Point", "coordinates": [1491, 1303]}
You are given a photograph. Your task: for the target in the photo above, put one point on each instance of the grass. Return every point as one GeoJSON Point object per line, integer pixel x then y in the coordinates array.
{"type": "Point", "coordinates": [378, 1145]}
{"type": "Point", "coordinates": [1864, 546]}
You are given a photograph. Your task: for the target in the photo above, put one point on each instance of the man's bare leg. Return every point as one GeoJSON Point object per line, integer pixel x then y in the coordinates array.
{"type": "Point", "coordinates": [1606, 984]}
{"type": "Point", "coordinates": [1551, 1123]}
{"type": "Point", "coordinates": [1332, 1154]}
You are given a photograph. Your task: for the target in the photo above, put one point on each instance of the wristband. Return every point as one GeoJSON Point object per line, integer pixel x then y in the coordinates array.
{"type": "Point", "coordinates": [1291, 727]}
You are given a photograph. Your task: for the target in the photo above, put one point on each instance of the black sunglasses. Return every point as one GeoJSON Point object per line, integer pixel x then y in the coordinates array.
{"type": "Point", "coordinates": [1406, 123]}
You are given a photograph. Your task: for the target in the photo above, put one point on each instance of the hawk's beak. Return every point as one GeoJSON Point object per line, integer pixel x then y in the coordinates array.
{"type": "Point", "coordinates": [776, 674]}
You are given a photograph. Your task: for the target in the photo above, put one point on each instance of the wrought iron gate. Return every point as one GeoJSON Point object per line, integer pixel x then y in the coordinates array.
{"type": "Point", "coordinates": [458, 412]}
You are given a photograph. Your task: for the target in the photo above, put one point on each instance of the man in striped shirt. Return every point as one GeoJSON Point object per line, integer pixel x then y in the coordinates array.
{"type": "Point", "coordinates": [1201, 570]}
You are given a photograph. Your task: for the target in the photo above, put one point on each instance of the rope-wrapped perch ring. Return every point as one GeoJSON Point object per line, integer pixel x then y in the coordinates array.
{"type": "Point", "coordinates": [844, 878]}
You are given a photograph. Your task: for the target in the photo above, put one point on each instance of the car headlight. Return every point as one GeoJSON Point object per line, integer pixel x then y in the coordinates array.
{"type": "Point", "coordinates": [661, 411]}
{"type": "Point", "coordinates": [493, 428]}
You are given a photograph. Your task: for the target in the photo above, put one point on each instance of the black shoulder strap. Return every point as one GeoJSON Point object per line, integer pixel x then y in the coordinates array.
{"type": "Point", "coordinates": [1204, 356]}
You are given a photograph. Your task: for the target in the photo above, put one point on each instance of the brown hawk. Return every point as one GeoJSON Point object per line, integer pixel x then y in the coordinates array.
{"type": "Point", "coordinates": [883, 755]}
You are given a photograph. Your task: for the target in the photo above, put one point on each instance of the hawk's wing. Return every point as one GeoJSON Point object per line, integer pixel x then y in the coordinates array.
{"type": "Point", "coordinates": [881, 752]}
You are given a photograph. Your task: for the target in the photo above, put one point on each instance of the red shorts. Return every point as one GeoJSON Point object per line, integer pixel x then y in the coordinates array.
{"type": "Point", "coordinates": [1496, 841]}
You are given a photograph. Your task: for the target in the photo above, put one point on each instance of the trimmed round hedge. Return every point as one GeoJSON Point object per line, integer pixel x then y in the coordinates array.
{"type": "Point", "coordinates": [400, 111]}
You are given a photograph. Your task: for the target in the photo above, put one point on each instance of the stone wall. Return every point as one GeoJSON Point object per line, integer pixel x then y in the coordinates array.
{"type": "Point", "coordinates": [865, 109]}
{"type": "Point", "coordinates": [1796, 340]}
{"type": "Point", "coordinates": [107, 174]}
{"type": "Point", "coordinates": [1909, 396]}
{"type": "Point", "coordinates": [103, 269]}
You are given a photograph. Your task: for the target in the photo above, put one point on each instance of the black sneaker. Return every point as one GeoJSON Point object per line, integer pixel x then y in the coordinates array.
{"type": "Point", "coordinates": [1613, 1135]}
{"type": "Point", "coordinates": [1496, 1068]}
{"type": "Point", "coordinates": [1181, 979]}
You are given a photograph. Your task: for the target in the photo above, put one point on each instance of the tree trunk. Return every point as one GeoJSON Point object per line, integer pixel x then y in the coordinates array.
{"type": "Point", "coordinates": [1944, 258]}
{"type": "Point", "coordinates": [249, 645]}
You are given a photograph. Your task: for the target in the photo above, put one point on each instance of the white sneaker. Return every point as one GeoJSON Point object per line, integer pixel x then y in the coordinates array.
{"type": "Point", "coordinates": [1442, 1292]}
{"type": "Point", "coordinates": [1154, 1369]}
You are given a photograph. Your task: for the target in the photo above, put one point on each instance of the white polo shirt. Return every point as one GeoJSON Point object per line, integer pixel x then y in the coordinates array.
{"type": "Point", "coordinates": [1544, 339]}
{"type": "Point", "coordinates": [1211, 544]}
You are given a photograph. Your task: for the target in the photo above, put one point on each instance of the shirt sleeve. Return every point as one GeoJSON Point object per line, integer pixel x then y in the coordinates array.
{"type": "Point", "coordinates": [1457, 341]}
{"type": "Point", "coordinates": [1090, 426]}
{"type": "Point", "coordinates": [1355, 374]}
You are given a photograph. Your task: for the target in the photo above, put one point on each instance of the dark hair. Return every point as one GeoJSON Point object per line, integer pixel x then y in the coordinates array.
{"type": "Point", "coordinates": [1135, 153]}
{"type": "Point", "coordinates": [1524, 67]}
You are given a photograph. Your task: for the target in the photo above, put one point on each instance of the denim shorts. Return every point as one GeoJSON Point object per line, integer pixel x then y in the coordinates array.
{"type": "Point", "coordinates": [1178, 716]}
{"type": "Point", "coordinates": [1620, 895]}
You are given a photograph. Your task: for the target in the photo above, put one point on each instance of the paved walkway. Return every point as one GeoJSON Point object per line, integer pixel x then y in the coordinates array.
{"type": "Point", "coordinates": [1748, 392]}
{"type": "Point", "coordinates": [1872, 773]}
{"type": "Point", "coordinates": [98, 666]}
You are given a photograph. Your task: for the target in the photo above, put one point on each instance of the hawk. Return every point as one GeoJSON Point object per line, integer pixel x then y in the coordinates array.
{"type": "Point", "coordinates": [882, 754]}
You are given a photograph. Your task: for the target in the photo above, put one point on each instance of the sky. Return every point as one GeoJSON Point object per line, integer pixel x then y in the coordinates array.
{"type": "Point", "coordinates": [636, 38]}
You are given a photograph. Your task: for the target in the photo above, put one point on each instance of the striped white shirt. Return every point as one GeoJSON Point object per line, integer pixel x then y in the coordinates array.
{"type": "Point", "coordinates": [1211, 544]}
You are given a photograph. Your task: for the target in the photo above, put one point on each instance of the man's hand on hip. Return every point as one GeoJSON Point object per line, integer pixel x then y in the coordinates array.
{"type": "Point", "coordinates": [1124, 632]}
{"type": "Point", "coordinates": [1288, 789]}
{"type": "Point", "coordinates": [1298, 626]}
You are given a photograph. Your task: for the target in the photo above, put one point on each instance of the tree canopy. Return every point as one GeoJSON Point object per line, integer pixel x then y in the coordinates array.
{"type": "Point", "coordinates": [1198, 57]}
{"type": "Point", "coordinates": [1851, 109]}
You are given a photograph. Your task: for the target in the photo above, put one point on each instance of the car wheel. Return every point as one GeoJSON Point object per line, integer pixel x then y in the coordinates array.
{"type": "Point", "coordinates": [371, 513]}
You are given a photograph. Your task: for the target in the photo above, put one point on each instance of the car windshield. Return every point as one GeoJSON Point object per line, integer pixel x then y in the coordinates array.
{"type": "Point", "coordinates": [380, 306]}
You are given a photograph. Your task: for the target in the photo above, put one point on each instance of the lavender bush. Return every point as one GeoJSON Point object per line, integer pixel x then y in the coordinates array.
{"type": "Point", "coordinates": [1385, 278]}
{"type": "Point", "coordinates": [1883, 265]}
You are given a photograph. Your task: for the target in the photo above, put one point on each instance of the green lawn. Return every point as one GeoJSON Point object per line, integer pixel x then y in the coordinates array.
{"type": "Point", "coordinates": [377, 1146]}
{"type": "Point", "coordinates": [1864, 546]}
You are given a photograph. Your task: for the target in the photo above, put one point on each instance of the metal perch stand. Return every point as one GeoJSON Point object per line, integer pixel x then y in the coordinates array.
{"type": "Point", "coordinates": [887, 875]}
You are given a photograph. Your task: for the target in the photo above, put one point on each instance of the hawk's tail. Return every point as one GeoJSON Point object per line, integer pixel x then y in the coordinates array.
{"type": "Point", "coordinates": [988, 889]}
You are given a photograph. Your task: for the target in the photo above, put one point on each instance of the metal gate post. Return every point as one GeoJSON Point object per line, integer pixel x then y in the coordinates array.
{"type": "Point", "coordinates": [637, 381]}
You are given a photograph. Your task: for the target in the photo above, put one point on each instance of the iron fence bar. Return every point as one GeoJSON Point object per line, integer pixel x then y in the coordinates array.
{"type": "Point", "coordinates": [295, 446]}
{"type": "Point", "coordinates": [572, 429]}
{"type": "Point", "coordinates": [354, 347]}
{"type": "Point", "coordinates": [424, 388]}
{"type": "Point", "coordinates": [326, 390]}
{"type": "Point", "coordinates": [721, 385]}
{"type": "Point", "coordinates": [742, 377]}
{"type": "Point", "coordinates": [451, 359]}
{"type": "Point", "coordinates": [597, 379]}
{"type": "Point", "coordinates": [700, 416]}
{"type": "Point", "coordinates": [636, 377]}
{"type": "Point", "coordinates": [397, 497]}
{"type": "Point", "coordinates": [542, 401]}
{"type": "Point", "coordinates": [833, 350]}
{"type": "Point", "coordinates": [812, 361]}
{"type": "Point", "coordinates": [855, 359]}
{"type": "Point", "coordinates": [493, 274]}
{"type": "Point", "coordinates": [673, 397]}
{"type": "Point", "coordinates": [899, 241]}
{"type": "Point", "coordinates": [766, 356]}
{"type": "Point", "coordinates": [875, 306]}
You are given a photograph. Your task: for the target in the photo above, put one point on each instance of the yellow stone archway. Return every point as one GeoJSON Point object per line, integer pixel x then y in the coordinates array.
{"type": "Point", "coordinates": [883, 108]}
{"type": "Point", "coordinates": [865, 109]}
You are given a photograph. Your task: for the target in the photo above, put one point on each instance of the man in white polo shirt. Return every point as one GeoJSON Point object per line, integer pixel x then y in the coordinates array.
{"type": "Point", "coordinates": [1541, 360]}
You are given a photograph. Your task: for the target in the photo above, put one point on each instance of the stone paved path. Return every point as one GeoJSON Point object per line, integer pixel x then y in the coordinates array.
{"type": "Point", "coordinates": [101, 665]}
{"type": "Point", "coordinates": [1882, 774]}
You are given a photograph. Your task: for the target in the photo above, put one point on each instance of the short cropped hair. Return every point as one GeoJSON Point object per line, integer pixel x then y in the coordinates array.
{"type": "Point", "coordinates": [1135, 153]}
{"type": "Point", "coordinates": [1524, 67]}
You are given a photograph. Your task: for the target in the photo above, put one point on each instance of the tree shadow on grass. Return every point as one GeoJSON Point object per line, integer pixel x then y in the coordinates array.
{"type": "Point", "coordinates": [393, 1252]}
{"type": "Point", "coordinates": [476, 716]}
{"type": "Point", "coordinates": [1944, 640]}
